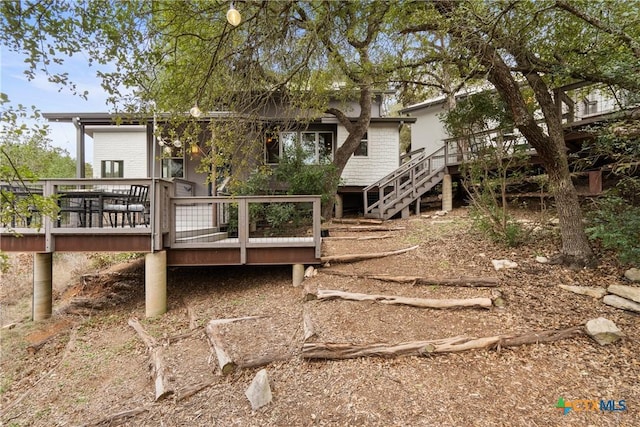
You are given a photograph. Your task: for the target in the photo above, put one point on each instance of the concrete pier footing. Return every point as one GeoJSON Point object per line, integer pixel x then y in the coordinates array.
{"type": "Point", "coordinates": [155, 283]}
{"type": "Point", "coordinates": [42, 285]}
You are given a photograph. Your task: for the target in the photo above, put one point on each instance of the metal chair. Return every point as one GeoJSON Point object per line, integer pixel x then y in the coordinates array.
{"type": "Point", "coordinates": [132, 206]}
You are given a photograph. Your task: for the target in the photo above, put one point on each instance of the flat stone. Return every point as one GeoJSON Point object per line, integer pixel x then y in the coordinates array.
{"type": "Point", "coordinates": [592, 291]}
{"type": "Point", "coordinates": [603, 331]}
{"type": "Point", "coordinates": [542, 259]}
{"type": "Point", "coordinates": [499, 264]}
{"type": "Point", "coordinates": [622, 303]}
{"type": "Point", "coordinates": [624, 291]}
{"type": "Point", "coordinates": [259, 392]}
{"type": "Point", "coordinates": [633, 274]}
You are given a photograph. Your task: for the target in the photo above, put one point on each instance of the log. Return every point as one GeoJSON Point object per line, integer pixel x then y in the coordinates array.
{"type": "Point", "coordinates": [332, 238]}
{"type": "Point", "coordinates": [357, 221]}
{"type": "Point", "coordinates": [193, 323]}
{"type": "Point", "coordinates": [116, 419]}
{"type": "Point", "coordinates": [191, 390]}
{"type": "Point", "coordinates": [463, 281]}
{"type": "Point", "coordinates": [233, 319]}
{"type": "Point", "coordinates": [325, 294]}
{"type": "Point", "coordinates": [307, 324]}
{"type": "Point", "coordinates": [156, 361]}
{"type": "Point", "coordinates": [259, 362]}
{"type": "Point", "coordinates": [360, 228]}
{"type": "Point", "coordinates": [336, 351]}
{"type": "Point", "coordinates": [362, 257]}
{"type": "Point", "coordinates": [227, 365]}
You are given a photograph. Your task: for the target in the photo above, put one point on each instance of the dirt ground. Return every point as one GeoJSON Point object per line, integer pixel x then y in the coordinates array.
{"type": "Point", "coordinates": [86, 364]}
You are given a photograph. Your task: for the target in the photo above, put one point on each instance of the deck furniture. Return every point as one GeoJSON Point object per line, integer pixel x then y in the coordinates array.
{"type": "Point", "coordinates": [130, 207]}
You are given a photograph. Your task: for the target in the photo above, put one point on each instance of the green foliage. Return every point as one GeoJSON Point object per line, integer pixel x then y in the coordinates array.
{"type": "Point", "coordinates": [497, 224]}
{"type": "Point", "coordinates": [617, 225]}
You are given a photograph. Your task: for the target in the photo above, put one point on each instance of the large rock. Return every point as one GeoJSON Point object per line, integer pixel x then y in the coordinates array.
{"type": "Point", "coordinates": [499, 264]}
{"type": "Point", "coordinates": [633, 274]}
{"type": "Point", "coordinates": [592, 291]}
{"type": "Point", "coordinates": [604, 331]}
{"type": "Point", "coordinates": [628, 292]}
{"type": "Point", "coordinates": [623, 303]}
{"type": "Point", "coordinates": [259, 392]}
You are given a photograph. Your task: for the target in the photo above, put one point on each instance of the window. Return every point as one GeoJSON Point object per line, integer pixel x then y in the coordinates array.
{"type": "Point", "coordinates": [363, 148]}
{"type": "Point", "coordinates": [173, 162]}
{"type": "Point", "coordinates": [112, 168]}
{"type": "Point", "coordinates": [314, 147]}
{"type": "Point", "coordinates": [590, 106]}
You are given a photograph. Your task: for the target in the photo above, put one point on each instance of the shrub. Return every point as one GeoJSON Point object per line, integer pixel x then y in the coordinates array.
{"type": "Point", "coordinates": [616, 224]}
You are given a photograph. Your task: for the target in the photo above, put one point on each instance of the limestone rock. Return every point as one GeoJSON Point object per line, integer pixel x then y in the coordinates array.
{"type": "Point", "coordinates": [259, 392]}
{"type": "Point", "coordinates": [628, 292]}
{"type": "Point", "coordinates": [310, 272]}
{"type": "Point", "coordinates": [542, 259]}
{"type": "Point", "coordinates": [633, 274]}
{"type": "Point", "coordinates": [592, 291]}
{"type": "Point", "coordinates": [623, 303]}
{"type": "Point", "coordinates": [603, 331]}
{"type": "Point", "coordinates": [499, 264]}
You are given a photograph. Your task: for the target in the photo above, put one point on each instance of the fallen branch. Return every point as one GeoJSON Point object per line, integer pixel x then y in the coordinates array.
{"type": "Point", "coordinates": [423, 348]}
{"type": "Point", "coordinates": [307, 323]}
{"type": "Point", "coordinates": [361, 257]}
{"type": "Point", "coordinates": [359, 228]}
{"type": "Point", "coordinates": [191, 390]}
{"type": "Point", "coordinates": [227, 365]}
{"type": "Point", "coordinates": [117, 418]}
{"type": "Point", "coordinates": [156, 361]}
{"type": "Point", "coordinates": [262, 361]}
{"type": "Point", "coordinates": [472, 282]}
{"type": "Point", "coordinates": [357, 221]}
{"type": "Point", "coordinates": [324, 294]}
{"type": "Point", "coordinates": [329, 239]}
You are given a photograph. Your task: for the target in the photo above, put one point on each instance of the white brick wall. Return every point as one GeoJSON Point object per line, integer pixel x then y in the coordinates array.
{"type": "Point", "coordinates": [383, 158]}
{"type": "Point", "coordinates": [129, 145]}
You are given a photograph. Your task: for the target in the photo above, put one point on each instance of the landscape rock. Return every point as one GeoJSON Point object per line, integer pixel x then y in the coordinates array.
{"type": "Point", "coordinates": [628, 292]}
{"type": "Point", "coordinates": [259, 392]}
{"type": "Point", "coordinates": [592, 291]}
{"type": "Point", "coordinates": [633, 274]}
{"type": "Point", "coordinates": [603, 331]}
{"type": "Point", "coordinates": [310, 272]}
{"type": "Point", "coordinates": [440, 213]}
{"type": "Point", "coordinates": [623, 303]}
{"type": "Point", "coordinates": [499, 264]}
{"type": "Point", "coordinates": [542, 259]}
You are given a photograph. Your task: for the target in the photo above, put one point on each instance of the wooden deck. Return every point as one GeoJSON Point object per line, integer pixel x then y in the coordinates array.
{"type": "Point", "coordinates": [192, 230]}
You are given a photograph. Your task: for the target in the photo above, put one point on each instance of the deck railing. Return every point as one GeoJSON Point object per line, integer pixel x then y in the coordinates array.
{"type": "Point", "coordinates": [168, 221]}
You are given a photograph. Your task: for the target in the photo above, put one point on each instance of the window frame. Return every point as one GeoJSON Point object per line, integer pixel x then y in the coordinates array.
{"type": "Point", "coordinates": [364, 142]}
{"type": "Point", "coordinates": [109, 164]}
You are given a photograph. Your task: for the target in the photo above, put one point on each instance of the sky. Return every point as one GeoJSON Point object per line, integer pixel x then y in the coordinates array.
{"type": "Point", "coordinates": [51, 98]}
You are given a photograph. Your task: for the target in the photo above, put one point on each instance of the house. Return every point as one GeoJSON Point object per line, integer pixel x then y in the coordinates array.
{"type": "Point", "coordinates": [125, 150]}
{"type": "Point", "coordinates": [148, 194]}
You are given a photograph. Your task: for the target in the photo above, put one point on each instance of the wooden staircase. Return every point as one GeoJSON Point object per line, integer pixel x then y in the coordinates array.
{"type": "Point", "coordinates": [404, 186]}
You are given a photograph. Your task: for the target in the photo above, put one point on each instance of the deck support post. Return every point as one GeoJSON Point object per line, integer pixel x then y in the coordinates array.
{"type": "Point", "coordinates": [155, 283]}
{"type": "Point", "coordinates": [42, 285]}
{"type": "Point", "coordinates": [405, 213]}
{"type": "Point", "coordinates": [339, 207]}
{"type": "Point", "coordinates": [298, 274]}
{"type": "Point", "coordinates": [447, 193]}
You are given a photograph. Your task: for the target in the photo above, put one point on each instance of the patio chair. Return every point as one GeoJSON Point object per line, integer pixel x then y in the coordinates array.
{"type": "Point", "coordinates": [131, 207]}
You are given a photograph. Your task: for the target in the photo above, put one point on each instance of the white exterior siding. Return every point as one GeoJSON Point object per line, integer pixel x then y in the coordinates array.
{"type": "Point", "coordinates": [129, 145]}
{"type": "Point", "coordinates": [383, 158]}
{"type": "Point", "coordinates": [428, 131]}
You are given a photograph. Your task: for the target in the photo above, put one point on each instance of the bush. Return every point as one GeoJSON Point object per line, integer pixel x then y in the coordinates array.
{"type": "Point", "coordinates": [498, 225]}
{"type": "Point", "coordinates": [616, 224]}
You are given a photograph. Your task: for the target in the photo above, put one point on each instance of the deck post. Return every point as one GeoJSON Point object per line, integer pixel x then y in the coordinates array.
{"type": "Point", "coordinates": [42, 285]}
{"type": "Point", "coordinates": [339, 207]}
{"type": "Point", "coordinates": [155, 283]}
{"type": "Point", "coordinates": [298, 274]}
{"type": "Point", "coordinates": [447, 193]}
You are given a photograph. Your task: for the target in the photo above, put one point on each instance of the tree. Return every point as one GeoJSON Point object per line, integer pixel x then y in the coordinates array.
{"type": "Point", "coordinates": [542, 44]}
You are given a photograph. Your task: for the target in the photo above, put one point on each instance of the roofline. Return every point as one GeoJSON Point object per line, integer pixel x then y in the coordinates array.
{"type": "Point", "coordinates": [129, 119]}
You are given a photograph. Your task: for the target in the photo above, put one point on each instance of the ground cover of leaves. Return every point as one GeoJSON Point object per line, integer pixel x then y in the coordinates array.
{"type": "Point", "coordinates": [86, 364]}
